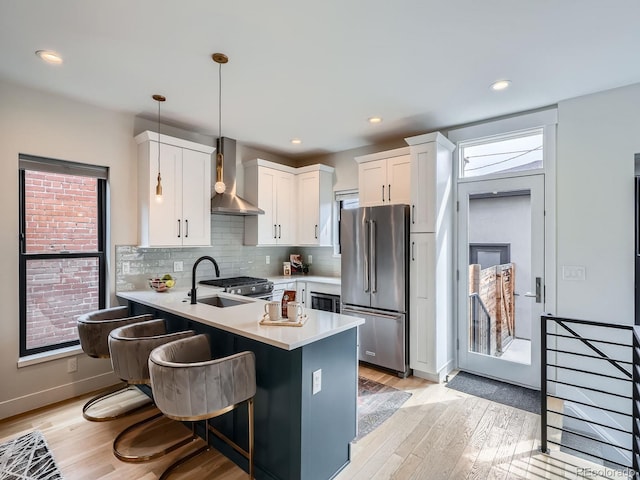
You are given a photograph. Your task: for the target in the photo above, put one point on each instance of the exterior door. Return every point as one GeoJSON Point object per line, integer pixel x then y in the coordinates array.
{"type": "Point", "coordinates": [501, 296]}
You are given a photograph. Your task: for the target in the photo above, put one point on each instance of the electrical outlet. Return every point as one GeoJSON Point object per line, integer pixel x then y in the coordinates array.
{"type": "Point", "coordinates": [267, 259]}
{"type": "Point", "coordinates": [178, 266]}
{"type": "Point", "coordinates": [126, 268]}
{"type": "Point", "coordinates": [72, 365]}
{"type": "Point", "coordinates": [309, 259]}
{"type": "Point", "coordinates": [317, 382]}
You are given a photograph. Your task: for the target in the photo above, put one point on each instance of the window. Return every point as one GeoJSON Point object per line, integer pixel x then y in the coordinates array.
{"type": "Point", "coordinates": [344, 200]}
{"type": "Point", "coordinates": [62, 241]}
{"type": "Point", "coordinates": [502, 154]}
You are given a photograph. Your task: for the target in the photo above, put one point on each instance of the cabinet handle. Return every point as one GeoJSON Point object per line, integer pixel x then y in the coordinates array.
{"type": "Point", "coordinates": [279, 231]}
{"type": "Point", "coordinates": [382, 193]}
{"type": "Point", "coordinates": [316, 232]}
{"type": "Point", "coordinates": [186, 228]}
{"type": "Point", "coordinates": [413, 214]}
{"type": "Point", "coordinates": [275, 231]}
{"type": "Point", "coordinates": [413, 257]}
{"type": "Point", "coordinates": [389, 192]}
{"type": "Point", "coordinates": [179, 228]}
{"type": "Point", "coordinates": [303, 296]}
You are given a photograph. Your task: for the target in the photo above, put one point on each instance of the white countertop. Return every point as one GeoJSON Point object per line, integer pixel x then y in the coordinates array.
{"type": "Point", "coordinates": [243, 319]}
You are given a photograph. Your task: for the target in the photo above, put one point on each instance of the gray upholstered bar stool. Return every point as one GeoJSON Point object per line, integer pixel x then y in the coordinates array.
{"type": "Point", "coordinates": [130, 347]}
{"type": "Point", "coordinates": [93, 331]}
{"type": "Point", "coordinates": [189, 385]}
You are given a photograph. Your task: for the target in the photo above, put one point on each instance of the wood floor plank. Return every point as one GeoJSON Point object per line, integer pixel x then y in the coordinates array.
{"type": "Point", "coordinates": [438, 433]}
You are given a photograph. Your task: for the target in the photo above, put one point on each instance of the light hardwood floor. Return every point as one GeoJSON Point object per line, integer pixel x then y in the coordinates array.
{"type": "Point", "coordinates": [438, 433]}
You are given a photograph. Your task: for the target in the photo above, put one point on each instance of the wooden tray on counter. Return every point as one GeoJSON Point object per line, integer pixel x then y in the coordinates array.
{"type": "Point", "coordinates": [281, 322]}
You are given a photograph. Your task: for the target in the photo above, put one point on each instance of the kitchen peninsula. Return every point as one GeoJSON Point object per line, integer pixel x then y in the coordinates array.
{"type": "Point", "coordinates": [298, 434]}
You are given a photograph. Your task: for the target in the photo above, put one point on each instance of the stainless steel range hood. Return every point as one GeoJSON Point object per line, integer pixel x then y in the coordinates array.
{"type": "Point", "coordinates": [228, 203]}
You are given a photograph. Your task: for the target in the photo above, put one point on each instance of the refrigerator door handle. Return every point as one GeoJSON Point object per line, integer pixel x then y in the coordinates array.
{"type": "Point", "coordinates": [372, 253]}
{"type": "Point", "coordinates": [366, 257]}
{"type": "Point", "coordinates": [346, 310]}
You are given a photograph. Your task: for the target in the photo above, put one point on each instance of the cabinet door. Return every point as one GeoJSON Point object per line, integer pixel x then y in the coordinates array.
{"type": "Point", "coordinates": [422, 334]}
{"type": "Point", "coordinates": [372, 178]}
{"type": "Point", "coordinates": [398, 188]}
{"type": "Point", "coordinates": [267, 224]}
{"type": "Point", "coordinates": [196, 201]}
{"type": "Point", "coordinates": [423, 186]}
{"type": "Point", "coordinates": [286, 208]}
{"type": "Point", "coordinates": [308, 208]}
{"type": "Point", "coordinates": [165, 216]}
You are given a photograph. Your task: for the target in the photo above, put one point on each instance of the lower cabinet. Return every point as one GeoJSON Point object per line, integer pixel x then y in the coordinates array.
{"type": "Point", "coordinates": [431, 330]}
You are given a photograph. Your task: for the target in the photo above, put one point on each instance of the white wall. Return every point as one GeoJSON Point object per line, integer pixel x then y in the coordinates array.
{"type": "Point", "coordinates": [598, 136]}
{"type": "Point", "coordinates": [41, 124]}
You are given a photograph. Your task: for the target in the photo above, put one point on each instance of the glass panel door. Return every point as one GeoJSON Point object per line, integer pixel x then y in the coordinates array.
{"type": "Point", "coordinates": [501, 287]}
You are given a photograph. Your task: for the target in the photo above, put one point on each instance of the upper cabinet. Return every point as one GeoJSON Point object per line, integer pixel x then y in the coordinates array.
{"type": "Point", "coordinates": [272, 187]}
{"type": "Point", "coordinates": [431, 182]}
{"type": "Point", "coordinates": [182, 217]}
{"type": "Point", "coordinates": [297, 204]}
{"type": "Point", "coordinates": [384, 178]}
{"type": "Point", "coordinates": [315, 202]}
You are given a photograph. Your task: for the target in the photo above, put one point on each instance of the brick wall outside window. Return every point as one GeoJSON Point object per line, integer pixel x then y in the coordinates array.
{"type": "Point", "coordinates": [60, 215]}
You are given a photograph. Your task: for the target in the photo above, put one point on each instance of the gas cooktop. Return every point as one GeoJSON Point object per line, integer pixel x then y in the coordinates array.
{"type": "Point", "coordinates": [248, 286]}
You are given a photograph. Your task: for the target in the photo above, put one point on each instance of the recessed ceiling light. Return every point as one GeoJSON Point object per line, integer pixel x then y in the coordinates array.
{"type": "Point", "coordinates": [296, 141]}
{"type": "Point", "coordinates": [375, 120]}
{"type": "Point", "coordinates": [49, 56]}
{"type": "Point", "coordinates": [500, 85]}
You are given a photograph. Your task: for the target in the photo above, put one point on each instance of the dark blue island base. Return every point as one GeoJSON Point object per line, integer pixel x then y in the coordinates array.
{"type": "Point", "coordinates": [298, 435]}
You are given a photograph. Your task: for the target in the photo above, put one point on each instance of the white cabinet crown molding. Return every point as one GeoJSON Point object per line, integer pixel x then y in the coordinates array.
{"type": "Point", "coordinates": [431, 137]}
{"type": "Point", "coordinates": [266, 163]}
{"type": "Point", "coordinates": [396, 152]}
{"type": "Point", "coordinates": [149, 136]}
{"type": "Point", "coordinates": [318, 167]}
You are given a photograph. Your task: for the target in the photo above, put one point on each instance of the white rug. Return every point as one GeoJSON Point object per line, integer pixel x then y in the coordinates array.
{"type": "Point", "coordinates": [27, 458]}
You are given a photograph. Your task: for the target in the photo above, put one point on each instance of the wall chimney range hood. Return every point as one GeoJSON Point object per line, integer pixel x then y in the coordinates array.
{"type": "Point", "coordinates": [228, 203]}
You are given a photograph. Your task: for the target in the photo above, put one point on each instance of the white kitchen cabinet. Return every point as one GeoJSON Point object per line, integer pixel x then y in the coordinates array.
{"type": "Point", "coordinates": [384, 178]}
{"type": "Point", "coordinates": [431, 328]}
{"type": "Point", "coordinates": [431, 182]}
{"type": "Point", "coordinates": [182, 217]}
{"type": "Point", "coordinates": [314, 203]}
{"type": "Point", "coordinates": [272, 188]}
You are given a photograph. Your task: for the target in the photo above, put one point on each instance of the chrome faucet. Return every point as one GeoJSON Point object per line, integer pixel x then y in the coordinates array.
{"type": "Point", "coordinates": [193, 275]}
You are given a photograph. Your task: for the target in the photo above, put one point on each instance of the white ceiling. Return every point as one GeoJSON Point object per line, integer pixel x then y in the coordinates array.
{"type": "Point", "coordinates": [317, 70]}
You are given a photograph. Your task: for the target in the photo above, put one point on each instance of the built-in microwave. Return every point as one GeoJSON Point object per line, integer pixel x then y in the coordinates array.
{"type": "Point", "coordinates": [325, 301]}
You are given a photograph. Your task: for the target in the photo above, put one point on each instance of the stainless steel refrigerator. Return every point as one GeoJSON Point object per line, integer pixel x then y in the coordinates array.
{"type": "Point", "coordinates": [374, 243]}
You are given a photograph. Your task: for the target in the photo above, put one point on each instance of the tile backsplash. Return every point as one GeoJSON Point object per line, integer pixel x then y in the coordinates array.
{"type": "Point", "coordinates": [233, 258]}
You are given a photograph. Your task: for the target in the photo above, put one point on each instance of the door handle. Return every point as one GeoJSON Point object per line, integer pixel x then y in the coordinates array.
{"type": "Point", "coordinates": [382, 193]}
{"type": "Point", "coordinates": [275, 231]}
{"type": "Point", "coordinates": [186, 228]}
{"type": "Point", "coordinates": [179, 229]}
{"type": "Point", "coordinates": [316, 232]}
{"type": "Point", "coordinates": [413, 246]}
{"type": "Point", "coordinates": [367, 259]}
{"type": "Point", "coordinates": [413, 214]}
{"type": "Point", "coordinates": [374, 266]}
{"type": "Point", "coordinates": [389, 192]}
{"type": "Point", "coordinates": [279, 231]}
{"type": "Point", "coordinates": [538, 293]}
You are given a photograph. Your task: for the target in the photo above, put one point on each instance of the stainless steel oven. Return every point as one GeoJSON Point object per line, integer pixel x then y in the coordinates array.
{"type": "Point", "coordinates": [325, 301]}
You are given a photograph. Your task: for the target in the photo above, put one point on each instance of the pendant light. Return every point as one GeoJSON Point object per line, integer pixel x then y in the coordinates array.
{"type": "Point", "coordinates": [159, 99]}
{"type": "Point", "coordinates": [219, 186]}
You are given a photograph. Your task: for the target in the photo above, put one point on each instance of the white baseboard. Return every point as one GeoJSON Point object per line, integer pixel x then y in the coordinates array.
{"type": "Point", "coordinates": [436, 377]}
{"type": "Point", "coordinates": [42, 398]}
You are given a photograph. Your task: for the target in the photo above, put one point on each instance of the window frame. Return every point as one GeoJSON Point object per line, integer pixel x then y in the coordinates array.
{"type": "Point", "coordinates": [29, 162]}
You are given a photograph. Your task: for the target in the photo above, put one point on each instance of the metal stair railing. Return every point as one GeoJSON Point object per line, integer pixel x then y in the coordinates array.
{"type": "Point", "coordinates": [581, 365]}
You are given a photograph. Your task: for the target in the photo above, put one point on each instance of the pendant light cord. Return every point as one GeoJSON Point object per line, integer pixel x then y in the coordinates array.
{"type": "Point", "coordinates": [159, 138]}
{"type": "Point", "coordinates": [219, 100]}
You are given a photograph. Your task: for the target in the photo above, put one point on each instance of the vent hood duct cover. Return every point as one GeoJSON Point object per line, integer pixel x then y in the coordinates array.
{"type": "Point", "coordinates": [228, 203]}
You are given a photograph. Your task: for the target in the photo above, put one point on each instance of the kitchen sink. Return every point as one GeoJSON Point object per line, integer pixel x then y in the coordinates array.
{"type": "Point", "coordinates": [222, 302]}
